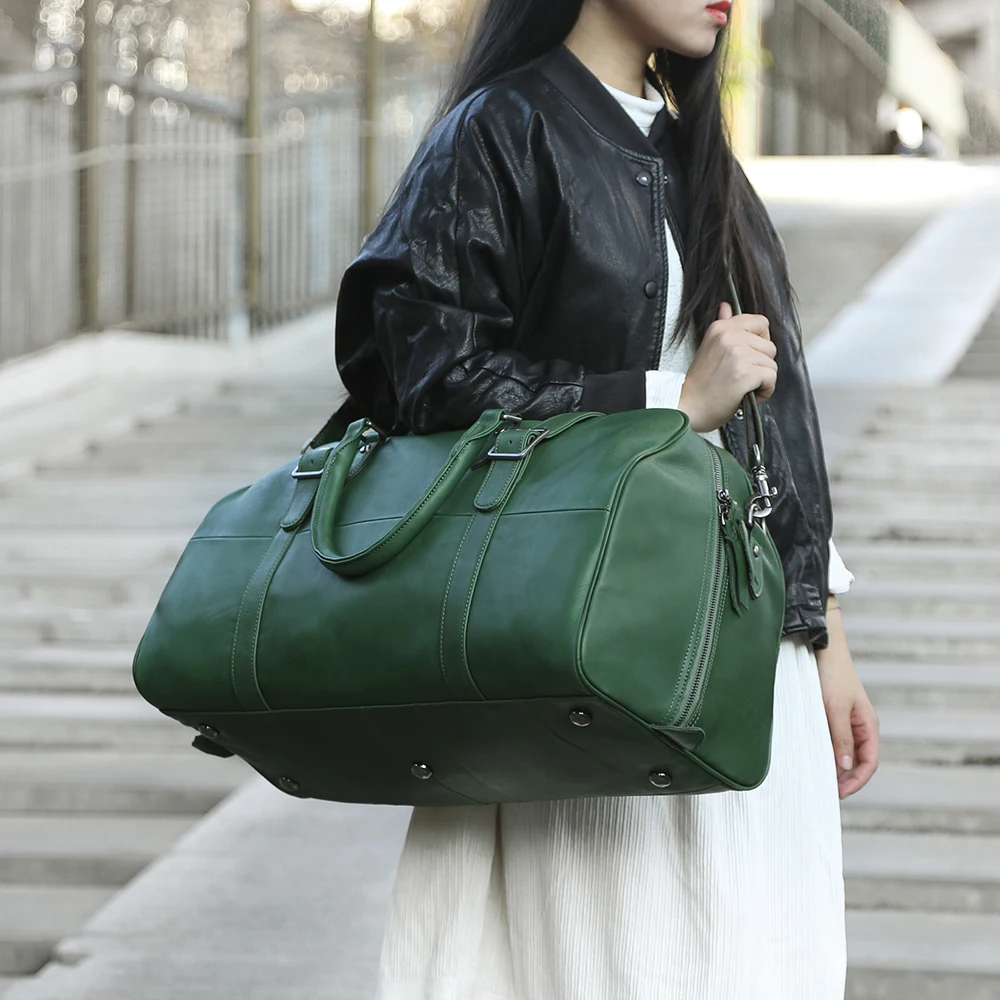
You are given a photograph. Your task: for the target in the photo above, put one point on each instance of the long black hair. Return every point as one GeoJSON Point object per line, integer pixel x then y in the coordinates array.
{"type": "Point", "coordinates": [728, 226]}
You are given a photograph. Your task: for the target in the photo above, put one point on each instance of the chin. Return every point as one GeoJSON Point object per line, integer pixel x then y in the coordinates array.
{"type": "Point", "coordinates": [695, 46]}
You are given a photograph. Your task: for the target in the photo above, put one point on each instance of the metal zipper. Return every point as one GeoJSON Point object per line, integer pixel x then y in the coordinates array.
{"type": "Point", "coordinates": [715, 594]}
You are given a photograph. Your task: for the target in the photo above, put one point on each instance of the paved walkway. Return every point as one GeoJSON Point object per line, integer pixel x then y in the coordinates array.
{"type": "Point", "coordinates": [270, 897]}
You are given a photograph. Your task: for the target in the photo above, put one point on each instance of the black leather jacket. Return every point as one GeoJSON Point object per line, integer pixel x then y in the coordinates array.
{"type": "Point", "coordinates": [522, 264]}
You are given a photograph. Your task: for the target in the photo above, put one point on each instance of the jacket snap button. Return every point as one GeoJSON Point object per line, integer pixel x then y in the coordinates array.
{"type": "Point", "coordinates": [643, 178]}
{"type": "Point", "coordinates": [420, 771]}
{"type": "Point", "coordinates": [580, 718]}
{"type": "Point", "coordinates": [756, 550]}
{"type": "Point", "coordinates": [288, 784]}
{"type": "Point", "coordinates": [739, 413]}
{"type": "Point", "coordinates": [660, 779]}
{"type": "Point", "coordinates": [650, 289]}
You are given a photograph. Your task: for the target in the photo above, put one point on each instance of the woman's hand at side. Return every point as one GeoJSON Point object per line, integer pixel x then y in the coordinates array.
{"type": "Point", "coordinates": [736, 356]}
{"type": "Point", "coordinates": [849, 712]}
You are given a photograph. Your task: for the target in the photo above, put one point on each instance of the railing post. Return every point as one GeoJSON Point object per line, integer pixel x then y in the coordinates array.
{"type": "Point", "coordinates": [88, 141]}
{"type": "Point", "coordinates": [744, 87]}
{"type": "Point", "coordinates": [370, 140]}
{"type": "Point", "coordinates": [252, 131]}
{"type": "Point", "coordinates": [132, 139]}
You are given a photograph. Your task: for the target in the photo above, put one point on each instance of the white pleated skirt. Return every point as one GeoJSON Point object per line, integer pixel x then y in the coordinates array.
{"type": "Point", "coordinates": [729, 896]}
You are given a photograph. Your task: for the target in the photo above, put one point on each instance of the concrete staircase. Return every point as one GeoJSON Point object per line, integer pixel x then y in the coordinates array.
{"type": "Point", "coordinates": [95, 508]}
{"type": "Point", "coordinates": [917, 505]}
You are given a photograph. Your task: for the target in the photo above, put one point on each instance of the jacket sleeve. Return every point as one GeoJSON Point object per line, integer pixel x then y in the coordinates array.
{"type": "Point", "coordinates": [438, 289]}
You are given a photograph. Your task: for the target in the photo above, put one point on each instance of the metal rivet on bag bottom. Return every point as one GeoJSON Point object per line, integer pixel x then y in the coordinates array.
{"type": "Point", "coordinates": [210, 731]}
{"type": "Point", "coordinates": [660, 778]}
{"type": "Point", "coordinates": [420, 770]}
{"type": "Point", "coordinates": [289, 784]}
{"type": "Point", "coordinates": [580, 718]}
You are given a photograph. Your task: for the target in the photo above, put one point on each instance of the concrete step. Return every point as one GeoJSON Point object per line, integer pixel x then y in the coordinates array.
{"type": "Point", "coordinates": [33, 919]}
{"type": "Point", "coordinates": [940, 736]}
{"type": "Point", "coordinates": [188, 431]}
{"type": "Point", "coordinates": [936, 434]}
{"type": "Point", "coordinates": [953, 529]}
{"type": "Point", "coordinates": [904, 684]}
{"type": "Point", "coordinates": [892, 452]}
{"type": "Point", "coordinates": [131, 457]}
{"type": "Point", "coordinates": [924, 598]}
{"type": "Point", "coordinates": [923, 641]}
{"type": "Point", "coordinates": [923, 956]}
{"type": "Point", "coordinates": [933, 872]}
{"type": "Point", "coordinates": [876, 562]}
{"type": "Point", "coordinates": [22, 623]}
{"type": "Point", "coordinates": [67, 669]}
{"type": "Point", "coordinates": [122, 549]}
{"type": "Point", "coordinates": [81, 586]}
{"type": "Point", "coordinates": [118, 490]}
{"type": "Point", "coordinates": [7, 982]}
{"type": "Point", "coordinates": [83, 721]}
{"type": "Point", "coordinates": [913, 503]}
{"type": "Point", "coordinates": [102, 850]}
{"type": "Point", "coordinates": [174, 783]}
{"type": "Point", "coordinates": [953, 480]}
{"type": "Point", "coordinates": [44, 513]}
{"type": "Point", "coordinates": [61, 428]}
{"type": "Point", "coordinates": [910, 798]}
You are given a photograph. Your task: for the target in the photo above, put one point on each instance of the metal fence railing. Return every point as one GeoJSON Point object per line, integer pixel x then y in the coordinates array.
{"type": "Point", "coordinates": [170, 207]}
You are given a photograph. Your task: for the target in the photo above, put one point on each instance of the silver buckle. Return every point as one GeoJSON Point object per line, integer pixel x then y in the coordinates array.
{"type": "Point", "coordinates": [540, 434]}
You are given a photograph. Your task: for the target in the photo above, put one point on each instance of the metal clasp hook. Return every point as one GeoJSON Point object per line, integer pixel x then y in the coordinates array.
{"type": "Point", "coordinates": [760, 505]}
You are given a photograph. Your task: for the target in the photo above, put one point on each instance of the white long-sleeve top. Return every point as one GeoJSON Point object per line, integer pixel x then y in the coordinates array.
{"type": "Point", "coordinates": [664, 384]}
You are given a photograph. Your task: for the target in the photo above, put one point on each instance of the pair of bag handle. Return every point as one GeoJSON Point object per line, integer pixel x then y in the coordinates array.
{"type": "Point", "coordinates": [361, 434]}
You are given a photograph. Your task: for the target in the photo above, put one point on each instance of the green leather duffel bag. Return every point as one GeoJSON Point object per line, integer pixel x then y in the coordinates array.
{"type": "Point", "coordinates": [584, 606]}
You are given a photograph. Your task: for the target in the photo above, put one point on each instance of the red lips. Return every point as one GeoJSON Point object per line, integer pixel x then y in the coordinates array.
{"type": "Point", "coordinates": [721, 5]}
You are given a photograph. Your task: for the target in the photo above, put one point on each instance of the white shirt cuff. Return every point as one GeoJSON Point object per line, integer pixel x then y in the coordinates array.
{"type": "Point", "coordinates": [840, 577]}
{"type": "Point", "coordinates": [663, 389]}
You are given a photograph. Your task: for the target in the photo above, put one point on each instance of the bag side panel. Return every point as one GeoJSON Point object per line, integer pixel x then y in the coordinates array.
{"type": "Point", "coordinates": [647, 598]}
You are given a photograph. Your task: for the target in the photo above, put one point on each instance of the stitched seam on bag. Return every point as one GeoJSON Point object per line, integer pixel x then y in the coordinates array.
{"type": "Point", "coordinates": [682, 678]}
{"type": "Point", "coordinates": [296, 484]}
{"type": "Point", "coordinates": [444, 608]}
{"type": "Point", "coordinates": [482, 489]}
{"type": "Point", "coordinates": [286, 543]}
{"type": "Point", "coordinates": [468, 600]}
{"type": "Point", "coordinates": [239, 618]}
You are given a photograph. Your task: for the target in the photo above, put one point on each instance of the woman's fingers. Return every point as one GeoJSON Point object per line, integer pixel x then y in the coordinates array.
{"type": "Point", "coordinates": [838, 717]}
{"type": "Point", "coordinates": [766, 380]}
{"type": "Point", "coordinates": [864, 725]}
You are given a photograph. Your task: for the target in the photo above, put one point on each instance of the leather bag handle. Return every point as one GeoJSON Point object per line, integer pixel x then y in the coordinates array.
{"type": "Point", "coordinates": [760, 505]}
{"type": "Point", "coordinates": [331, 488]}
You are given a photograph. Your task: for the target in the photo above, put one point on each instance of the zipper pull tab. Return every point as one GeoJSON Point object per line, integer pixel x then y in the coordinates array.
{"type": "Point", "coordinates": [725, 505]}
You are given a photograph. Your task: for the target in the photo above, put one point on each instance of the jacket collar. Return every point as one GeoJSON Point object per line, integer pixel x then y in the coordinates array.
{"type": "Point", "coordinates": [582, 88]}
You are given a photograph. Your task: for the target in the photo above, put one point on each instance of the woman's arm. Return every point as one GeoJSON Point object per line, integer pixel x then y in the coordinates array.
{"type": "Point", "coordinates": [437, 289]}
{"type": "Point", "coordinates": [852, 718]}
